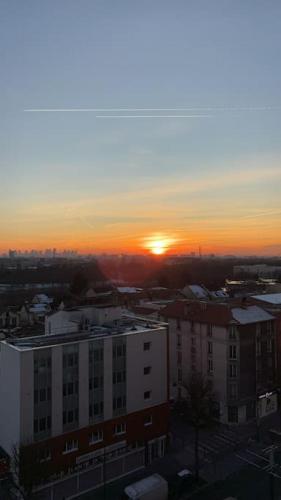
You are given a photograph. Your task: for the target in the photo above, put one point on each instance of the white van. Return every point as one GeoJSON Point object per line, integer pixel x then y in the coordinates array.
{"type": "Point", "coordinates": [153, 487]}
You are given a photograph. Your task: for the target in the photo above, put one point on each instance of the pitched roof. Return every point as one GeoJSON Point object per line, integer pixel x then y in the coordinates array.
{"type": "Point", "coordinates": [216, 314]}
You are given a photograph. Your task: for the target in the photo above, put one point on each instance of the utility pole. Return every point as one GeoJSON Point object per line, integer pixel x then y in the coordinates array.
{"type": "Point", "coordinates": [271, 476]}
{"type": "Point", "coordinates": [258, 418]}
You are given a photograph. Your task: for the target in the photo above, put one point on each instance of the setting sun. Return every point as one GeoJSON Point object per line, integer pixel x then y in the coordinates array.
{"type": "Point", "coordinates": [158, 244]}
{"type": "Point", "coordinates": [158, 247]}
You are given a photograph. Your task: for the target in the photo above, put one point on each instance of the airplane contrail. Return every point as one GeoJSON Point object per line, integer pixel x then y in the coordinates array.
{"type": "Point", "coordinates": [131, 110]}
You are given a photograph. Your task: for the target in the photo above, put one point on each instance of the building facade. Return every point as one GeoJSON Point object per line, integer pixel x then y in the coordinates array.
{"type": "Point", "coordinates": [92, 406]}
{"type": "Point", "coordinates": [232, 346]}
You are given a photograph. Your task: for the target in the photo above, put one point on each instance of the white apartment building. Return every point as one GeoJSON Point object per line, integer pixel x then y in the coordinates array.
{"type": "Point", "coordinates": [233, 346]}
{"type": "Point", "coordinates": [92, 405]}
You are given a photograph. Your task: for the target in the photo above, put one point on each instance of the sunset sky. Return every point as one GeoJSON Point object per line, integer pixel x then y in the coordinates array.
{"type": "Point", "coordinates": [125, 120]}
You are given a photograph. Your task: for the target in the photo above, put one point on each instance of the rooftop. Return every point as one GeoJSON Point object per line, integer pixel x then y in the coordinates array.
{"type": "Point", "coordinates": [128, 325]}
{"type": "Point", "coordinates": [220, 314]}
{"type": "Point", "coordinates": [269, 298]}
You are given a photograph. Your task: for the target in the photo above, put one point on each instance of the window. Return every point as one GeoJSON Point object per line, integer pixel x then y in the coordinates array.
{"type": "Point", "coordinates": [232, 352]}
{"type": "Point", "coordinates": [258, 347]}
{"type": "Point", "coordinates": [232, 332]}
{"type": "Point", "coordinates": [148, 420]}
{"type": "Point", "coordinates": [96, 409]}
{"type": "Point", "coordinates": [269, 345]}
{"type": "Point", "coordinates": [147, 370]}
{"type": "Point", "coordinates": [179, 340]}
{"type": "Point", "coordinates": [120, 429]}
{"type": "Point", "coordinates": [210, 348]}
{"type": "Point", "coordinates": [210, 366]}
{"type": "Point", "coordinates": [119, 377]}
{"type": "Point", "coordinates": [193, 341]}
{"type": "Point", "coordinates": [192, 326]}
{"type": "Point", "coordinates": [42, 424]}
{"type": "Point", "coordinates": [178, 324]}
{"type": "Point", "coordinates": [179, 357]}
{"type": "Point", "coordinates": [232, 414]}
{"type": "Point", "coordinates": [96, 437]}
{"type": "Point", "coordinates": [210, 330]}
{"type": "Point", "coordinates": [146, 346]}
{"type": "Point", "coordinates": [42, 395]}
{"type": "Point", "coordinates": [35, 425]}
{"type": "Point", "coordinates": [147, 394]}
{"type": "Point", "coordinates": [119, 350]}
{"type": "Point", "coordinates": [35, 396]}
{"type": "Point", "coordinates": [232, 370]}
{"type": "Point", "coordinates": [119, 402]}
{"type": "Point", "coordinates": [233, 391]}
{"type": "Point", "coordinates": [179, 375]}
{"type": "Point", "coordinates": [71, 445]}
{"type": "Point", "coordinates": [98, 354]}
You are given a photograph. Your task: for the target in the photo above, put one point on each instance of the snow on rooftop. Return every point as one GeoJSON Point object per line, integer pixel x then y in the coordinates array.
{"type": "Point", "coordinates": [128, 289]}
{"type": "Point", "coordinates": [251, 314]}
{"type": "Point", "coordinates": [270, 298]}
{"type": "Point", "coordinates": [199, 291]}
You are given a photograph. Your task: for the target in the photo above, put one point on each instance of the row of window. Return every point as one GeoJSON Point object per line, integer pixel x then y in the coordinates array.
{"type": "Point", "coordinates": [95, 437]}
{"type": "Point", "coordinates": [192, 324]}
{"type": "Point", "coordinates": [232, 368]}
{"type": "Point", "coordinates": [232, 330]}
{"type": "Point", "coordinates": [71, 388]}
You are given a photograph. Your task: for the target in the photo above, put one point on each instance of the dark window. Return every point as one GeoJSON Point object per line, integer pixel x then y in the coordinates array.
{"type": "Point", "coordinates": [42, 424]}
{"type": "Point", "coordinates": [146, 346]}
{"type": "Point", "coordinates": [233, 414]}
{"type": "Point", "coordinates": [146, 370]}
{"type": "Point", "coordinates": [48, 422]}
{"type": "Point", "coordinates": [42, 394]}
{"type": "Point", "coordinates": [209, 330]}
{"type": "Point", "coordinates": [35, 396]}
{"type": "Point", "coordinates": [35, 425]}
{"type": "Point", "coordinates": [147, 394]}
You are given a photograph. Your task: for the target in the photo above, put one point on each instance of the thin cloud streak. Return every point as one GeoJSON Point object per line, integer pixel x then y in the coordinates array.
{"type": "Point", "coordinates": [129, 110]}
{"type": "Point", "coordinates": [153, 116]}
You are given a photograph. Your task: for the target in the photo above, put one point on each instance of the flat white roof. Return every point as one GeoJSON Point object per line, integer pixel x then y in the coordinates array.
{"type": "Point", "coordinates": [270, 298]}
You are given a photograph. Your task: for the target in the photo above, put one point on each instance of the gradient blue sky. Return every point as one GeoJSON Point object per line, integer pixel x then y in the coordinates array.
{"type": "Point", "coordinates": [71, 179]}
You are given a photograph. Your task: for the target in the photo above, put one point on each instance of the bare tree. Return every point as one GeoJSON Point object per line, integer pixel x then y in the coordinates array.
{"type": "Point", "coordinates": [198, 408]}
{"type": "Point", "coordinates": [28, 470]}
